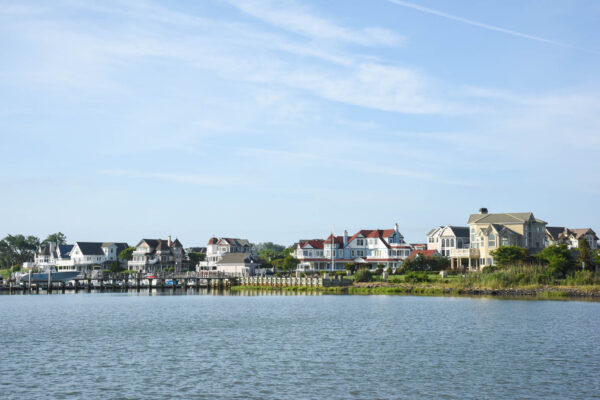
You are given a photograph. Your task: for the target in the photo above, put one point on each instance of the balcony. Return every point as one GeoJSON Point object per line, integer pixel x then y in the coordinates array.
{"type": "Point", "coordinates": [464, 253]}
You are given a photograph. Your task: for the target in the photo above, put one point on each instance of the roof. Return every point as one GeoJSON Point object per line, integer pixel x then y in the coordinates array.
{"type": "Point", "coordinates": [460, 231]}
{"type": "Point", "coordinates": [160, 244]}
{"type": "Point", "coordinates": [424, 253]}
{"type": "Point", "coordinates": [314, 243]}
{"type": "Point", "coordinates": [229, 241]}
{"type": "Point", "coordinates": [65, 249]}
{"type": "Point", "coordinates": [90, 248]}
{"type": "Point", "coordinates": [560, 232]}
{"type": "Point", "coordinates": [501, 218]}
{"type": "Point", "coordinates": [236, 258]}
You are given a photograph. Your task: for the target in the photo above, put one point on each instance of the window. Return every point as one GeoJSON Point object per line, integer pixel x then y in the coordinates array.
{"type": "Point", "coordinates": [305, 253]}
{"type": "Point", "coordinates": [492, 240]}
{"type": "Point", "coordinates": [360, 242]}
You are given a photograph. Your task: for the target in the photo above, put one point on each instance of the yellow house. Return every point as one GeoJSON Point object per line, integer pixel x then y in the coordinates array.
{"type": "Point", "coordinates": [490, 231]}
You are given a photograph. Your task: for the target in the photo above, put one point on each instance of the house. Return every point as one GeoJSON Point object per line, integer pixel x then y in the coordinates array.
{"type": "Point", "coordinates": [368, 248]}
{"type": "Point", "coordinates": [445, 238]}
{"type": "Point", "coordinates": [156, 255]}
{"type": "Point", "coordinates": [238, 264]}
{"type": "Point", "coordinates": [218, 247]}
{"type": "Point", "coordinates": [488, 231]}
{"type": "Point", "coordinates": [570, 236]}
{"type": "Point", "coordinates": [424, 253]}
{"type": "Point", "coordinates": [81, 256]}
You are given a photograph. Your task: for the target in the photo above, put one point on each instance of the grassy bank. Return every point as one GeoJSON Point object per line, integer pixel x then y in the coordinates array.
{"type": "Point", "coordinates": [523, 280]}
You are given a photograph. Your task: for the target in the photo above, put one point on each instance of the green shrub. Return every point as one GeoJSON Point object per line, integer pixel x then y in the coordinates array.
{"type": "Point", "coordinates": [416, 277]}
{"type": "Point", "coordinates": [363, 275]}
{"type": "Point", "coordinates": [583, 278]}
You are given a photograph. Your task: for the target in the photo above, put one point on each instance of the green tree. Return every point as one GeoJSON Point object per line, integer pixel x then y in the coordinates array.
{"type": "Point", "coordinates": [58, 238]}
{"type": "Point", "coordinates": [509, 255]}
{"type": "Point", "coordinates": [559, 259]}
{"type": "Point", "coordinates": [17, 249]}
{"type": "Point", "coordinates": [115, 267]}
{"type": "Point", "coordinates": [350, 267]}
{"type": "Point", "coordinates": [290, 263]}
{"type": "Point", "coordinates": [195, 257]}
{"type": "Point", "coordinates": [585, 255]}
{"type": "Point", "coordinates": [276, 248]}
{"type": "Point", "coordinates": [127, 254]}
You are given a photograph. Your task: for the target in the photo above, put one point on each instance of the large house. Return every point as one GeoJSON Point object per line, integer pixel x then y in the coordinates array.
{"type": "Point", "coordinates": [238, 264]}
{"type": "Point", "coordinates": [490, 231]}
{"type": "Point", "coordinates": [367, 248]}
{"type": "Point", "coordinates": [218, 247]}
{"type": "Point", "coordinates": [570, 236]}
{"type": "Point", "coordinates": [81, 256]}
{"type": "Point", "coordinates": [445, 238]}
{"type": "Point", "coordinates": [156, 255]}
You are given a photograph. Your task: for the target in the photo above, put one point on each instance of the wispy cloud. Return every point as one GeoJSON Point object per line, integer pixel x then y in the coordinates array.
{"type": "Point", "coordinates": [195, 179]}
{"type": "Point", "coordinates": [488, 26]}
{"type": "Point", "coordinates": [293, 17]}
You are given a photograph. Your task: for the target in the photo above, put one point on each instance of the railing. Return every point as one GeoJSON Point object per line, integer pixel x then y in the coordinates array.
{"type": "Point", "coordinates": [466, 253]}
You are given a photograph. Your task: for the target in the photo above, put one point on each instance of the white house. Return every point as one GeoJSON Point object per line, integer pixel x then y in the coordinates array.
{"type": "Point", "coordinates": [368, 248]}
{"type": "Point", "coordinates": [238, 264]}
{"type": "Point", "coordinates": [218, 247]}
{"type": "Point", "coordinates": [81, 256]}
{"type": "Point", "coordinates": [445, 238]}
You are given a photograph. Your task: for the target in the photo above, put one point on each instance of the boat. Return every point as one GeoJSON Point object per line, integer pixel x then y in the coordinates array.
{"type": "Point", "coordinates": [55, 276]}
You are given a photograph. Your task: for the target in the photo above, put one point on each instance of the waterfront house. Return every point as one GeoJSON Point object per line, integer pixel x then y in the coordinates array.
{"type": "Point", "coordinates": [156, 255]}
{"type": "Point", "coordinates": [366, 248]}
{"type": "Point", "coordinates": [445, 238]}
{"type": "Point", "coordinates": [571, 236]}
{"type": "Point", "coordinates": [424, 253]}
{"type": "Point", "coordinates": [81, 256]}
{"type": "Point", "coordinates": [218, 247]}
{"type": "Point", "coordinates": [488, 231]}
{"type": "Point", "coordinates": [238, 264]}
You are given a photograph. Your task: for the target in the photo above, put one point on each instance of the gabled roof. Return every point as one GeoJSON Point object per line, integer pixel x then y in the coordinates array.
{"type": "Point", "coordinates": [65, 249]}
{"type": "Point", "coordinates": [424, 253]}
{"type": "Point", "coordinates": [501, 218]}
{"type": "Point", "coordinates": [560, 232]}
{"type": "Point", "coordinates": [459, 231]}
{"type": "Point", "coordinates": [236, 258]}
{"type": "Point", "coordinates": [229, 241]}
{"type": "Point", "coordinates": [314, 243]}
{"type": "Point", "coordinates": [90, 248]}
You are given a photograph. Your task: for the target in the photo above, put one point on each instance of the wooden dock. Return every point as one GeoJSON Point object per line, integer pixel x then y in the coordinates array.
{"type": "Point", "coordinates": [118, 282]}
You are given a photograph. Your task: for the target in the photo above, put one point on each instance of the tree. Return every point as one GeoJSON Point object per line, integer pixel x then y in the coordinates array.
{"type": "Point", "coordinates": [585, 255]}
{"type": "Point", "coordinates": [115, 267]}
{"type": "Point", "coordinates": [195, 257]}
{"type": "Point", "coordinates": [58, 238]}
{"type": "Point", "coordinates": [559, 259]}
{"type": "Point", "coordinates": [277, 248]}
{"type": "Point", "coordinates": [509, 255]}
{"type": "Point", "coordinates": [350, 267]}
{"type": "Point", "coordinates": [17, 249]}
{"type": "Point", "coordinates": [290, 263]}
{"type": "Point", "coordinates": [422, 263]}
{"type": "Point", "coordinates": [127, 254]}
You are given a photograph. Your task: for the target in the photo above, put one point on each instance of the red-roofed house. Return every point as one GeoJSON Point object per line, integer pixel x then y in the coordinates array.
{"type": "Point", "coordinates": [424, 253]}
{"type": "Point", "coordinates": [368, 247]}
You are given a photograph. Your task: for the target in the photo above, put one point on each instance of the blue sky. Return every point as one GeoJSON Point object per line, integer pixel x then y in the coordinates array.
{"type": "Point", "coordinates": [276, 120]}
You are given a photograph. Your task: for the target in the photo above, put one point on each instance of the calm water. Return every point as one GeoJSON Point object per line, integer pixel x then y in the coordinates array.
{"type": "Point", "coordinates": [128, 346]}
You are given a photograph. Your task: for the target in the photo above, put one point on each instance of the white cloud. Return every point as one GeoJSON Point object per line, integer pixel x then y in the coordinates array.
{"type": "Point", "coordinates": [291, 16]}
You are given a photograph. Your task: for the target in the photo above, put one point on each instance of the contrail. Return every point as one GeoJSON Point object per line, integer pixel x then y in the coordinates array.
{"type": "Point", "coordinates": [486, 26]}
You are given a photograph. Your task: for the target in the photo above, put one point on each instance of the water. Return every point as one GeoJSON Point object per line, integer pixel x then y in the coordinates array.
{"type": "Point", "coordinates": [129, 346]}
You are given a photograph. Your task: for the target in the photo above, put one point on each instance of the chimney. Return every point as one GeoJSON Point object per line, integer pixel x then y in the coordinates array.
{"type": "Point", "coordinates": [345, 238]}
{"type": "Point", "coordinates": [483, 210]}
{"type": "Point", "coordinates": [396, 227]}
{"type": "Point", "coordinates": [169, 241]}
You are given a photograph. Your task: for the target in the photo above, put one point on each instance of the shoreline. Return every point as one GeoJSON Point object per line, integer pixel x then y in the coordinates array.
{"type": "Point", "coordinates": [383, 288]}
